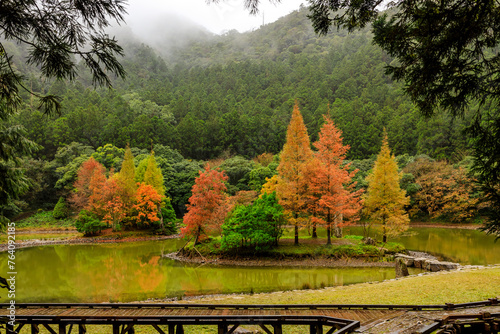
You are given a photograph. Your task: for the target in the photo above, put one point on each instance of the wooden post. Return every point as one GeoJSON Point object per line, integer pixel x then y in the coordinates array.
{"type": "Point", "coordinates": [82, 329]}
{"type": "Point", "coordinates": [222, 329]}
{"type": "Point", "coordinates": [116, 329]}
{"type": "Point", "coordinates": [18, 329]}
{"type": "Point", "coordinates": [278, 329]}
{"type": "Point", "coordinates": [62, 328]}
{"type": "Point", "coordinates": [316, 329]}
{"type": "Point", "coordinates": [180, 329]}
{"type": "Point", "coordinates": [171, 329]}
{"type": "Point", "coordinates": [158, 329]}
{"type": "Point", "coordinates": [34, 329]}
{"type": "Point", "coordinates": [49, 329]}
{"type": "Point", "coordinates": [9, 328]}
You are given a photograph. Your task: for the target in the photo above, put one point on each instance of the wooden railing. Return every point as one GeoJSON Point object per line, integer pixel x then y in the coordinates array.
{"type": "Point", "coordinates": [173, 317]}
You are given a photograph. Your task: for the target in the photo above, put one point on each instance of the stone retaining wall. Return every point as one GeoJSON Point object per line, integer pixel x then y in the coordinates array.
{"type": "Point", "coordinates": [426, 263]}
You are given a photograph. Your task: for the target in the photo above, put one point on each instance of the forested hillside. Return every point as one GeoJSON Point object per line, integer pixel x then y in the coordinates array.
{"type": "Point", "coordinates": [228, 97]}
{"type": "Point", "coordinates": [234, 94]}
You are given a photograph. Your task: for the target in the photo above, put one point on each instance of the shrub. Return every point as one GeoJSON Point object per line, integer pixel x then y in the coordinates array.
{"type": "Point", "coordinates": [60, 210]}
{"type": "Point", "coordinates": [258, 226]}
{"type": "Point", "coordinates": [88, 224]}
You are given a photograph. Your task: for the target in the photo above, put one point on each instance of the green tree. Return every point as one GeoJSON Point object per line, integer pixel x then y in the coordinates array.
{"type": "Point", "coordinates": [54, 34]}
{"type": "Point", "coordinates": [60, 210]}
{"type": "Point", "coordinates": [385, 201]}
{"type": "Point", "coordinates": [259, 225]}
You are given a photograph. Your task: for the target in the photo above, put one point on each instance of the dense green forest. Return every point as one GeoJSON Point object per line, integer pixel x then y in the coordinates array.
{"type": "Point", "coordinates": [229, 99]}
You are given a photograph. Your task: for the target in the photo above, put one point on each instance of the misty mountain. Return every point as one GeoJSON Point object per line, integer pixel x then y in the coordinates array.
{"type": "Point", "coordinates": [206, 95]}
{"type": "Point", "coordinates": [167, 34]}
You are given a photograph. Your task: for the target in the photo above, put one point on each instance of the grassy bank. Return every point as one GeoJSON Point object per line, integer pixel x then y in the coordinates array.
{"type": "Point", "coordinates": [461, 286]}
{"type": "Point", "coordinates": [45, 220]}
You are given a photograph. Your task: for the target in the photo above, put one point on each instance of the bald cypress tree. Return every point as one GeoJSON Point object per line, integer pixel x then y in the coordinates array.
{"type": "Point", "coordinates": [385, 200]}
{"type": "Point", "coordinates": [296, 153]}
{"type": "Point", "coordinates": [126, 178]}
{"type": "Point", "coordinates": [153, 175]}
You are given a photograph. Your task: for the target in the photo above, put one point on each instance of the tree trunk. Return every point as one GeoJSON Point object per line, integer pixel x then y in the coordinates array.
{"type": "Point", "coordinates": [338, 232]}
{"type": "Point", "coordinates": [296, 234]}
{"type": "Point", "coordinates": [329, 228]}
{"type": "Point", "coordinates": [314, 233]}
{"type": "Point", "coordinates": [296, 229]}
{"type": "Point", "coordinates": [198, 232]}
{"type": "Point", "coordinates": [162, 226]}
{"type": "Point", "coordinates": [384, 238]}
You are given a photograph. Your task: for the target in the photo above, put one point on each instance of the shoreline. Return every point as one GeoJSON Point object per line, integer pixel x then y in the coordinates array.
{"type": "Point", "coordinates": [284, 262]}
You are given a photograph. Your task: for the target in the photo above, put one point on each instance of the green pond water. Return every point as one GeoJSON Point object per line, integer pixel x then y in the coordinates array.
{"type": "Point", "coordinates": [136, 271]}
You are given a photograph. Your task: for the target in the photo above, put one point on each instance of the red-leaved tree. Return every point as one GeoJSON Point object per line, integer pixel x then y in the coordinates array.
{"type": "Point", "coordinates": [115, 209]}
{"type": "Point", "coordinates": [207, 196]}
{"type": "Point", "coordinates": [80, 197]}
{"type": "Point", "coordinates": [330, 191]}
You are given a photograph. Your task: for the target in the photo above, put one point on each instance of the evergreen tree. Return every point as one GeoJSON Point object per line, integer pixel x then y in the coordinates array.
{"type": "Point", "coordinates": [385, 200]}
{"type": "Point", "coordinates": [296, 153]}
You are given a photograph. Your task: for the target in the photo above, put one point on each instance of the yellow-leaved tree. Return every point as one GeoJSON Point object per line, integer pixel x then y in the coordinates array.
{"type": "Point", "coordinates": [126, 180]}
{"type": "Point", "coordinates": [385, 200]}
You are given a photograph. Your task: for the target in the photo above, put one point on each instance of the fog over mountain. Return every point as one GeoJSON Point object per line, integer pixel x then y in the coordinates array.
{"type": "Point", "coordinates": [165, 33]}
{"type": "Point", "coordinates": [218, 17]}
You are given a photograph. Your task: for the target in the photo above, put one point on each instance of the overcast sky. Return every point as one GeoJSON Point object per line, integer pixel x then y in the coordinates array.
{"type": "Point", "coordinates": [217, 18]}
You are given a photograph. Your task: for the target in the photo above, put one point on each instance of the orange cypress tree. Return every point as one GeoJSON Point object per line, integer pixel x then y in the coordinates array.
{"type": "Point", "coordinates": [296, 153]}
{"type": "Point", "coordinates": [115, 209]}
{"type": "Point", "coordinates": [207, 196]}
{"type": "Point", "coordinates": [98, 193]}
{"type": "Point", "coordinates": [330, 190]}
{"type": "Point", "coordinates": [385, 200]}
{"type": "Point", "coordinates": [147, 204]}
{"type": "Point", "coordinates": [80, 197]}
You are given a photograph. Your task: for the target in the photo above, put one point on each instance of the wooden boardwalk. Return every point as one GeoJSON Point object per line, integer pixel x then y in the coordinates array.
{"type": "Point", "coordinates": [171, 318]}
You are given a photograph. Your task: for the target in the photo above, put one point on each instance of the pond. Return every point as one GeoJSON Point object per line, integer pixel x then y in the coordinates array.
{"type": "Point", "coordinates": [136, 271]}
{"type": "Point", "coordinates": [457, 245]}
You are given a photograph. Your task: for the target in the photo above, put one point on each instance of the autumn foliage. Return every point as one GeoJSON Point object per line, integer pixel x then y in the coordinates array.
{"type": "Point", "coordinates": [80, 196]}
{"type": "Point", "coordinates": [118, 199]}
{"type": "Point", "coordinates": [330, 195]}
{"type": "Point", "coordinates": [385, 201]}
{"type": "Point", "coordinates": [204, 204]}
{"type": "Point", "coordinates": [296, 153]}
{"type": "Point", "coordinates": [147, 202]}
{"type": "Point", "coordinates": [444, 191]}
